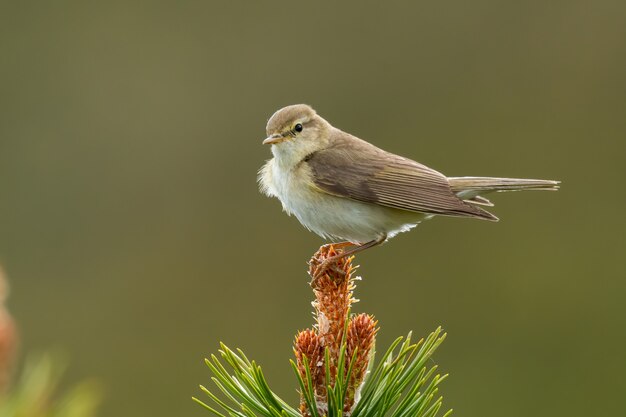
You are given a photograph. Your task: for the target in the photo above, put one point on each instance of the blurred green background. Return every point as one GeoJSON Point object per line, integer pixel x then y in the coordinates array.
{"type": "Point", "coordinates": [134, 236]}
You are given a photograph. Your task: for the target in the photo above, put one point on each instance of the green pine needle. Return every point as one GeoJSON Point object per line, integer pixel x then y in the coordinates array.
{"type": "Point", "coordinates": [401, 385]}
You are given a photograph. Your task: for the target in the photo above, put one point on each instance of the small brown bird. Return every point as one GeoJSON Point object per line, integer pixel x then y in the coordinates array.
{"type": "Point", "coordinates": [344, 188]}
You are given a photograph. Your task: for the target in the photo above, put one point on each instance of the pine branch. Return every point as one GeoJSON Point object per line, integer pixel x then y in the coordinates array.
{"type": "Point", "coordinates": [334, 364]}
{"type": "Point", "coordinates": [35, 393]}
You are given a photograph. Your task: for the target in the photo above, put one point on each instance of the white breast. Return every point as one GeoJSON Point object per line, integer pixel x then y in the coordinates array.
{"type": "Point", "coordinates": [329, 216]}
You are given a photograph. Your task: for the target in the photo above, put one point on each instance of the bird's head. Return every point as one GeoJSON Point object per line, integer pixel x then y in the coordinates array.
{"type": "Point", "coordinates": [296, 131]}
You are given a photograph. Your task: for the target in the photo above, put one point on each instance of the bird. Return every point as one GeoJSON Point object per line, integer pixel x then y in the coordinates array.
{"type": "Point", "coordinates": [353, 193]}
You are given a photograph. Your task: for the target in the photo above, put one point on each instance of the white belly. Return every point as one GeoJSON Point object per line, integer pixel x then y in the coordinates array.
{"type": "Point", "coordinates": [333, 217]}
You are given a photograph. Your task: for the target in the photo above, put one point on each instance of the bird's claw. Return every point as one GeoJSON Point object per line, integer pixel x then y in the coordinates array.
{"type": "Point", "coordinates": [327, 265]}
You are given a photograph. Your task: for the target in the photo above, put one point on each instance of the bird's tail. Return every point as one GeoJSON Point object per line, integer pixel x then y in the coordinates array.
{"type": "Point", "coordinates": [470, 189]}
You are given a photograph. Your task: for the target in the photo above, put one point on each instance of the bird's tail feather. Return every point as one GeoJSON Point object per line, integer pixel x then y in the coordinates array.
{"type": "Point", "coordinates": [469, 188]}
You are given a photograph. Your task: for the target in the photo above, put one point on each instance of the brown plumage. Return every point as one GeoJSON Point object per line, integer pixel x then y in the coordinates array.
{"type": "Point", "coordinates": [353, 168]}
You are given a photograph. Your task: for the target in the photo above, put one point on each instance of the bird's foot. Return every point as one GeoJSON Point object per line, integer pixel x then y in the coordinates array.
{"type": "Point", "coordinates": [329, 260]}
{"type": "Point", "coordinates": [329, 265]}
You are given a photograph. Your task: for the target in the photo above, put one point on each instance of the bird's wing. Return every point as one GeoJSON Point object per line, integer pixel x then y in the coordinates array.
{"type": "Point", "coordinates": [355, 169]}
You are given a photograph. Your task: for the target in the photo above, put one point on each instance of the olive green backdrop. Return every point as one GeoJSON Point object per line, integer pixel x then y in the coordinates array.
{"type": "Point", "coordinates": [135, 239]}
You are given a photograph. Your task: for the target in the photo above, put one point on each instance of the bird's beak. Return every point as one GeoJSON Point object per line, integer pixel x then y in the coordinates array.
{"type": "Point", "coordinates": [274, 139]}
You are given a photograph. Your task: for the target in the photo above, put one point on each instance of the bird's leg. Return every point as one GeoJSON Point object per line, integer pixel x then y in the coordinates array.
{"type": "Point", "coordinates": [323, 267]}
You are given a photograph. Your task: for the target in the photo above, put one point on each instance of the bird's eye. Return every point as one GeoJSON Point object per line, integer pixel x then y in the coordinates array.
{"type": "Point", "coordinates": [298, 128]}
